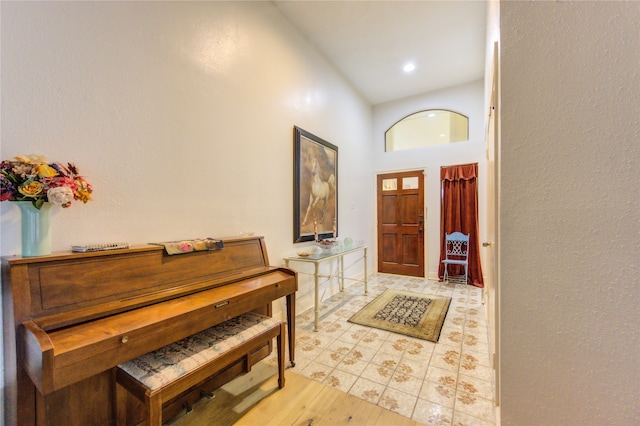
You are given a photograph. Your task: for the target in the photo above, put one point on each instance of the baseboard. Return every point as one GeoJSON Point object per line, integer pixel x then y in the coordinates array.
{"type": "Point", "coordinates": [433, 276]}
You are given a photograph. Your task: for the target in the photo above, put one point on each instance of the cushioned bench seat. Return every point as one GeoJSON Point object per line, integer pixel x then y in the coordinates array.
{"type": "Point", "coordinates": [165, 373]}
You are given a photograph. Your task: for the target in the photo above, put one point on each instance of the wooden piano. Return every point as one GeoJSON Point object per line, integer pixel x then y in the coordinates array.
{"type": "Point", "coordinates": [70, 318]}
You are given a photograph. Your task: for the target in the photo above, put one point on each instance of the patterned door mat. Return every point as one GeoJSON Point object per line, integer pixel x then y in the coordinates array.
{"type": "Point", "coordinates": [405, 312]}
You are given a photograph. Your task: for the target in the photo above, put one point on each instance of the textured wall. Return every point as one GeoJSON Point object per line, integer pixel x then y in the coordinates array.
{"type": "Point", "coordinates": [181, 115]}
{"type": "Point", "coordinates": [570, 232]}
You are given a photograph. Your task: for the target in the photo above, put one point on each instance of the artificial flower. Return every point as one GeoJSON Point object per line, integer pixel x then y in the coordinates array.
{"type": "Point", "coordinates": [61, 196]}
{"type": "Point", "coordinates": [33, 178]}
{"type": "Point", "coordinates": [30, 189]}
{"type": "Point", "coordinates": [44, 170]}
{"type": "Point", "coordinates": [34, 159]}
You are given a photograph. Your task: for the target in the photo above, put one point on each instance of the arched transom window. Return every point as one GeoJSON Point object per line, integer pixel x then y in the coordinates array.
{"type": "Point", "coordinates": [426, 128]}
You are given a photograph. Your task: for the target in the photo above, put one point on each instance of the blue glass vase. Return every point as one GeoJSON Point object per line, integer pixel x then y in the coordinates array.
{"type": "Point", "coordinates": [36, 229]}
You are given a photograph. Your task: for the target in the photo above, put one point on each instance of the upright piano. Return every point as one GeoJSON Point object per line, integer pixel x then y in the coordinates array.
{"type": "Point", "coordinates": [71, 318]}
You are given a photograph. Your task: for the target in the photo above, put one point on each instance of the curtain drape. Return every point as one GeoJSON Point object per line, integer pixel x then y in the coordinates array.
{"type": "Point", "coordinates": [459, 212]}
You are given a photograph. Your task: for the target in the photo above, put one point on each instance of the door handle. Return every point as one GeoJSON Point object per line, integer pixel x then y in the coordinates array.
{"type": "Point", "coordinates": [419, 229]}
{"type": "Point", "coordinates": [487, 244]}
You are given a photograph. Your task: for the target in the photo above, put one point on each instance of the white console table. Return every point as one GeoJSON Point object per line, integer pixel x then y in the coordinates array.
{"type": "Point", "coordinates": [337, 253]}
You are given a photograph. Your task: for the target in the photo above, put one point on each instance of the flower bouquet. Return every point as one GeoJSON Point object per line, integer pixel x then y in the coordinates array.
{"type": "Point", "coordinates": [33, 178]}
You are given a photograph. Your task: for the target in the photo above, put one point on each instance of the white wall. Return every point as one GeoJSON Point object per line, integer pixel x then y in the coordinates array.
{"type": "Point", "coordinates": [180, 114]}
{"type": "Point", "coordinates": [466, 99]}
{"type": "Point", "coordinates": [570, 232]}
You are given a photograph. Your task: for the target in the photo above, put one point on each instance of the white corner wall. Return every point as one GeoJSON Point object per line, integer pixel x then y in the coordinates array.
{"type": "Point", "coordinates": [466, 99]}
{"type": "Point", "coordinates": [570, 231]}
{"type": "Point", "coordinates": [181, 116]}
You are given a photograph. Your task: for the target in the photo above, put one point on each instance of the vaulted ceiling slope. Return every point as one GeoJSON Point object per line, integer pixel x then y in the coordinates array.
{"type": "Point", "coordinates": [369, 42]}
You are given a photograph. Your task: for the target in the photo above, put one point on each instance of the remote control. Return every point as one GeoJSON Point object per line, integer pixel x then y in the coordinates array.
{"type": "Point", "coordinates": [100, 247]}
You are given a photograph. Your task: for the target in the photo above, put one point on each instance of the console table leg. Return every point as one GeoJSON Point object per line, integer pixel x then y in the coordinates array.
{"type": "Point", "coordinates": [341, 273]}
{"type": "Point", "coordinates": [317, 302]}
{"type": "Point", "coordinates": [366, 290]}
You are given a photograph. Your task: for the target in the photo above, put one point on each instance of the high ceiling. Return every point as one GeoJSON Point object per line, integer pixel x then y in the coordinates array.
{"type": "Point", "coordinates": [369, 42]}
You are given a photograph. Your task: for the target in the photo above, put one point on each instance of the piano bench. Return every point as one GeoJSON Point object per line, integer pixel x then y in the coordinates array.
{"type": "Point", "coordinates": [163, 374]}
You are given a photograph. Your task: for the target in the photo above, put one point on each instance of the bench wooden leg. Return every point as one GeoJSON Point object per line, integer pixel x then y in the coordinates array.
{"type": "Point", "coordinates": [121, 405]}
{"type": "Point", "coordinates": [154, 410]}
{"type": "Point", "coordinates": [280, 349]}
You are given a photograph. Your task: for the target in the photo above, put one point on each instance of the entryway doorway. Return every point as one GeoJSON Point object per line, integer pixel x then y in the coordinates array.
{"type": "Point", "coordinates": [400, 198]}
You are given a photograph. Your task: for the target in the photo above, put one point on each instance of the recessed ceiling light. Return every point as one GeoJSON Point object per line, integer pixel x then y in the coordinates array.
{"type": "Point", "coordinates": [409, 67]}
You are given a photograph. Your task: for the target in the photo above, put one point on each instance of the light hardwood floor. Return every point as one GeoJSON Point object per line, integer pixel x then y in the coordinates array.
{"type": "Point", "coordinates": [254, 399]}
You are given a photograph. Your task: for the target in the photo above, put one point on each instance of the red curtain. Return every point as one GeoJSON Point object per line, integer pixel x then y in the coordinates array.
{"type": "Point", "coordinates": [459, 212]}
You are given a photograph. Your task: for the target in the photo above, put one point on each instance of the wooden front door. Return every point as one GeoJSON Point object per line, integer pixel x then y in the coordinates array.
{"type": "Point", "coordinates": [401, 223]}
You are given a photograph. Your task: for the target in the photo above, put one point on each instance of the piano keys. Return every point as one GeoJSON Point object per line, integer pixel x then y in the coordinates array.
{"type": "Point", "coordinates": [70, 318]}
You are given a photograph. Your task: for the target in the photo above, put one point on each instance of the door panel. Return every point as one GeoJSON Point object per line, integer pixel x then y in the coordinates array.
{"type": "Point", "coordinates": [389, 248]}
{"type": "Point", "coordinates": [401, 223]}
{"type": "Point", "coordinates": [410, 250]}
{"type": "Point", "coordinates": [409, 209]}
{"type": "Point", "coordinates": [389, 211]}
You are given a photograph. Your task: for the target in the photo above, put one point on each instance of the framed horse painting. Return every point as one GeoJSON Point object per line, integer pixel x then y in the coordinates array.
{"type": "Point", "coordinates": [315, 187]}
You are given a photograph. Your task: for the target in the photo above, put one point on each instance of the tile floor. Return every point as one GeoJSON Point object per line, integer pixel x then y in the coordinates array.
{"type": "Point", "coordinates": [444, 383]}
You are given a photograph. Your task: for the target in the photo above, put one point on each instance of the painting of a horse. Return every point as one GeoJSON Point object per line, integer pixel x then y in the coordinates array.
{"type": "Point", "coordinates": [320, 192]}
{"type": "Point", "coordinates": [315, 200]}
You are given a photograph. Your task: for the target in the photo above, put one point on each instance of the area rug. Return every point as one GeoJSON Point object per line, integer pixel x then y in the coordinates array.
{"type": "Point", "coordinates": [404, 312]}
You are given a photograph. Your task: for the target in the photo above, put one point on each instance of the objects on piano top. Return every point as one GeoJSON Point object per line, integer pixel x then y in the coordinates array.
{"type": "Point", "coordinates": [188, 246]}
{"type": "Point", "coordinates": [100, 247]}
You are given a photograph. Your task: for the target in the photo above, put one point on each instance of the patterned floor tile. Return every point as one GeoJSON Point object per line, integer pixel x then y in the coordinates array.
{"type": "Point", "coordinates": [367, 390]}
{"type": "Point", "coordinates": [443, 383]}
{"type": "Point", "coordinates": [476, 357]}
{"type": "Point", "coordinates": [330, 358]}
{"type": "Point", "coordinates": [341, 347]}
{"type": "Point", "coordinates": [474, 406]}
{"type": "Point", "coordinates": [377, 373]}
{"type": "Point", "coordinates": [480, 372]}
{"type": "Point", "coordinates": [352, 365]}
{"type": "Point", "coordinates": [413, 367]}
{"type": "Point", "coordinates": [440, 376]}
{"type": "Point", "coordinates": [406, 383]}
{"type": "Point", "coordinates": [316, 371]}
{"type": "Point", "coordinates": [446, 358]}
{"type": "Point", "coordinates": [361, 353]}
{"type": "Point", "coordinates": [340, 380]}
{"type": "Point", "coordinates": [398, 401]}
{"type": "Point", "coordinates": [371, 343]}
{"type": "Point", "coordinates": [432, 414]}
{"type": "Point", "coordinates": [474, 386]}
{"type": "Point", "coordinates": [438, 394]}
{"type": "Point", "coordinates": [461, 419]}
{"type": "Point", "coordinates": [385, 360]}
